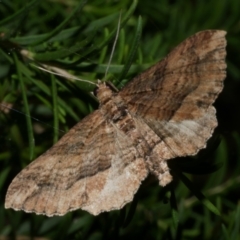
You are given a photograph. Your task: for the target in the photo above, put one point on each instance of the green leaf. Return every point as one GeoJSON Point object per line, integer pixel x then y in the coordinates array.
{"type": "Point", "coordinates": [133, 49]}
{"type": "Point", "coordinates": [26, 107]}
{"type": "Point", "coordinates": [63, 24]}
{"type": "Point", "coordinates": [22, 12]}
{"type": "Point", "coordinates": [199, 195]}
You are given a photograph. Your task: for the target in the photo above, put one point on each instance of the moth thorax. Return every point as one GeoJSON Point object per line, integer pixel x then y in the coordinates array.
{"type": "Point", "coordinates": [104, 93]}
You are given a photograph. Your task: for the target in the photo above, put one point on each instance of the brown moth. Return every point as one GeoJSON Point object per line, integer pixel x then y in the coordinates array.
{"type": "Point", "coordinates": [163, 113]}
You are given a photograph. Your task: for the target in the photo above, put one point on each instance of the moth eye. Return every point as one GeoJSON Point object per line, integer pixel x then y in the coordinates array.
{"type": "Point", "coordinates": [95, 91]}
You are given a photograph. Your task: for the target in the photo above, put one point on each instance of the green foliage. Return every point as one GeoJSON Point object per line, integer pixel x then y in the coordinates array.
{"type": "Point", "coordinates": [77, 37]}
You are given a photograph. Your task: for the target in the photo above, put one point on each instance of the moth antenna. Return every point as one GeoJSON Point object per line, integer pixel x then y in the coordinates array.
{"type": "Point", "coordinates": [60, 72]}
{"type": "Point", "coordinates": [114, 44]}
{"type": "Point", "coordinates": [55, 70]}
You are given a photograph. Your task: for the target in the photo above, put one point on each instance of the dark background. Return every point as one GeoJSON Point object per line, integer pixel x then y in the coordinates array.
{"type": "Point", "coordinates": [80, 42]}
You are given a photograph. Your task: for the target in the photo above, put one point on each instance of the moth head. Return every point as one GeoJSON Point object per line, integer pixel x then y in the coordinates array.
{"type": "Point", "coordinates": [104, 92]}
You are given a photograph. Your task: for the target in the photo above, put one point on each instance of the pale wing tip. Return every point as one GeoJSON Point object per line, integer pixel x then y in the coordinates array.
{"type": "Point", "coordinates": [89, 209]}
{"type": "Point", "coordinates": [95, 213]}
{"type": "Point", "coordinates": [217, 32]}
{"type": "Point", "coordinates": [220, 33]}
{"type": "Point", "coordinates": [211, 34]}
{"type": "Point", "coordinates": [37, 213]}
{"type": "Point", "coordinates": [9, 205]}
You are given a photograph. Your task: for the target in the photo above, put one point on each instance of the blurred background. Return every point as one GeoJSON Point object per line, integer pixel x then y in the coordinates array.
{"type": "Point", "coordinates": [37, 108]}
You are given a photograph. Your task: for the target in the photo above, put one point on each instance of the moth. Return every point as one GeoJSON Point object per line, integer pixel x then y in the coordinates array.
{"type": "Point", "coordinates": [163, 113]}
